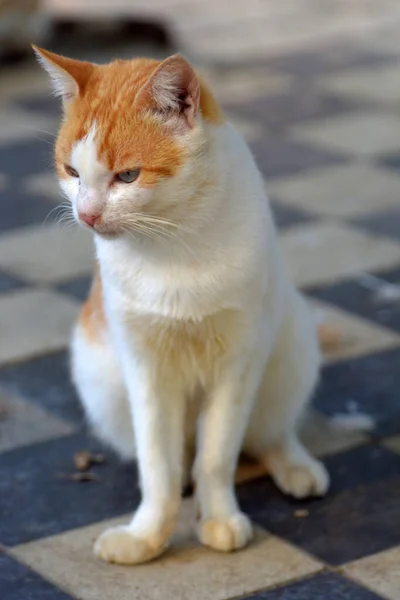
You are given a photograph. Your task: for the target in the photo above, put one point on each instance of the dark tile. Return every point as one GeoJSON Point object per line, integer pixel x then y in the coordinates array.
{"type": "Point", "coordinates": [361, 466]}
{"type": "Point", "coordinates": [391, 161]}
{"type": "Point", "coordinates": [26, 158]}
{"type": "Point", "coordinates": [368, 384]}
{"type": "Point", "coordinates": [325, 586]}
{"type": "Point", "coordinates": [374, 297]}
{"type": "Point", "coordinates": [278, 157]}
{"type": "Point", "coordinates": [17, 582]}
{"type": "Point", "coordinates": [20, 208]}
{"type": "Point", "coordinates": [385, 223]}
{"type": "Point", "coordinates": [79, 288]}
{"type": "Point", "coordinates": [298, 104]}
{"type": "Point", "coordinates": [354, 520]}
{"type": "Point", "coordinates": [327, 60]}
{"type": "Point", "coordinates": [8, 283]}
{"type": "Point", "coordinates": [33, 484]}
{"type": "Point", "coordinates": [45, 381]}
{"type": "Point", "coordinates": [286, 216]}
{"type": "Point", "coordinates": [40, 104]}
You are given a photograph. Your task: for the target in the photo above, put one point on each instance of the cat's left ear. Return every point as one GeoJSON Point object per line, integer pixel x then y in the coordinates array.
{"type": "Point", "coordinates": [173, 89]}
{"type": "Point", "coordinates": [68, 76]}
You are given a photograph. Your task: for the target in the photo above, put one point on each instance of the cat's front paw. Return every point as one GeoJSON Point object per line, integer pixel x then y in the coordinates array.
{"type": "Point", "coordinates": [226, 534]}
{"type": "Point", "coordinates": [119, 545]}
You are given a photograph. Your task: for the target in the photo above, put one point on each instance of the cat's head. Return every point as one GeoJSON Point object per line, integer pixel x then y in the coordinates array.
{"type": "Point", "coordinates": [130, 149]}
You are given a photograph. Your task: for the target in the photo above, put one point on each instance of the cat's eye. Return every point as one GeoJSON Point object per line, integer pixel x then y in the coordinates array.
{"type": "Point", "coordinates": [127, 176]}
{"type": "Point", "coordinates": [71, 171]}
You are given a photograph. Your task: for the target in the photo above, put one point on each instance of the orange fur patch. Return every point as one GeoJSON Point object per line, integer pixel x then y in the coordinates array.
{"type": "Point", "coordinates": [92, 319]}
{"type": "Point", "coordinates": [127, 137]}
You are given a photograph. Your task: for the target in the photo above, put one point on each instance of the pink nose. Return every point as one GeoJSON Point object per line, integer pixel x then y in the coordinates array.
{"type": "Point", "coordinates": [88, 218]}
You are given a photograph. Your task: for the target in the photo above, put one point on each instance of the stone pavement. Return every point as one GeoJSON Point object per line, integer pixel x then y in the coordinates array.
{"type": "Point", "coordinates": [324, 125]}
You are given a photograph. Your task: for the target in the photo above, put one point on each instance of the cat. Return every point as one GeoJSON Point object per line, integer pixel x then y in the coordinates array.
{"type": "Point", "coordinates": [193, 345]}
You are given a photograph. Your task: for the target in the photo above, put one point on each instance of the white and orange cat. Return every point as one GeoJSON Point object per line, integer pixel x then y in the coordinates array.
{"type": "Point", "coordinates": [193, 344]}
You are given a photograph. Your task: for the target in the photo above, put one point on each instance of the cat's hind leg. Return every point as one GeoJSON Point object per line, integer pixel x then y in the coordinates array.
{"type": "Point", "coordinates": [98, 379]}
{"type": "Point", "coordinates": [288, 383]}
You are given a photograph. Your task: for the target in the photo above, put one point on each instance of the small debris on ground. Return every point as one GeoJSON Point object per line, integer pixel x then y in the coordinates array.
{"type": "Point", "coordinates": [79, 476]}
{"type": "Point", "coordinates": [84, 460]}
{"type": "Point", "coordinates": [301, 513]}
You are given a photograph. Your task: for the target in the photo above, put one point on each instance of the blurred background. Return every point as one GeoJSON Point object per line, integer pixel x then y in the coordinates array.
{"type": "Point", "coordinates": [314, 86]}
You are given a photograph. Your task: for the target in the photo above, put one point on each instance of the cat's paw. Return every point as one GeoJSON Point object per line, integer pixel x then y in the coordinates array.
{"type": "Point", "coordinates": [119, 545]}
{"type": "Point", "coordinates": [302, 481]}
{"type": "Point", "coordinates": [226, 534]}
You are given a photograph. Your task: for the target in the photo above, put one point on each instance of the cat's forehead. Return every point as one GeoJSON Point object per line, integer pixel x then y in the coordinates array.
{"type": "Point", "coordinates": [86, 160]}
{"type": "Point", "coordinates": [115, 85]}
{"type": "Point", "coordinates": [105, 123]}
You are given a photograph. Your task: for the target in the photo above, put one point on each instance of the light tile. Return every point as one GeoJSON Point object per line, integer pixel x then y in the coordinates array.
{"type": "Point", "coordinates": [393, 443]}
{"type": "Point", "coordinates": [23, 423]}
{"type": "Point", "coordinates": [365, 134]}
{"type": "Point", "coordinates": [31, 81]}
{"type": "Point", "coordinates": [47, 253]}
{"type": "Point", "coordinates": [339, 191]}
{"type": "Point", "coordinates": [323, 436]}
{"type": "Point", "coordinates": [241, 85]}
{"type": "Point", "coordinates": [380, 572]}
{"type": "Point", "coordinates": [355, 336]}
{"type": "Point", "coordinates": [322, 252]}
{"type": "Point", "coordinates": [33, 322]}
{"type": "Point", "coordinates": [19, 125]}
{"type": "Point", "coordinates": [186, 571]}
{"type": "Point", "coordinates": [381, 85]}
{"type": "Point", "coordinates": [385, 41]}
{"type": "Point", "coordinates": [44, 184]}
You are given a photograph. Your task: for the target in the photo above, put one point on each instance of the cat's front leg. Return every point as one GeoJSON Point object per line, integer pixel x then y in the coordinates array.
{"type": "Point", "coordinates": [158, 417]}
{"type": "Point", "coordinates": [222, 426]}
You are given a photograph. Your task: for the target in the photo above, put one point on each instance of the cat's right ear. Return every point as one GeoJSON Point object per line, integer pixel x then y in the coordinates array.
{"type": "Point", "coordinates": [68, 76]}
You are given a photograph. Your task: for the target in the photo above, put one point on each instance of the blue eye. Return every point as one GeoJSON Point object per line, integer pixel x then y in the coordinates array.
{"type": "Point", "coordinates": [128, 176]}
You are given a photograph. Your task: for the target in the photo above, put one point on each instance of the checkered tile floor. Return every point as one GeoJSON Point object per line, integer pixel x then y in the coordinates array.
{"type": "Point", "coordinates": [324, 126]}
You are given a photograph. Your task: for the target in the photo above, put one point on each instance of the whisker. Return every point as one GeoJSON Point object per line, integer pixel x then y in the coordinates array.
{"type": "Point", "coordinates": [167, 235]}
{"type": "Point", "coordinates": [146, 232]}
{"type": "Point", "coordinates": [41, 139]}
{"type": "Point", "coordinates": [65, 218]}
{"type": "Point", "coordinates": [63, 206]}
{"type": "Point", "coordinates": [161, 221]}
{"type": "Point", "coordinates": [33, 128]}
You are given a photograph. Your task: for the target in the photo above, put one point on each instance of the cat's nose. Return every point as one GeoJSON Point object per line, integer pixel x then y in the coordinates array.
{"type": "Point", "coordinates": [89, 218]}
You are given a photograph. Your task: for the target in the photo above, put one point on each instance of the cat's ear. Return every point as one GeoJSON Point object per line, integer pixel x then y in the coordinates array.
{"type": "Point", "coordinates": [173, 89]}
{"type": "Point", "coordinates": [68, 76]}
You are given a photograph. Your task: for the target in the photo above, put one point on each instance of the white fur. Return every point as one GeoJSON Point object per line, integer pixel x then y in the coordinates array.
{"type": "Point", "coordinates": [250, 358]}
{"type": "Point", "coordinates": [63, 84]}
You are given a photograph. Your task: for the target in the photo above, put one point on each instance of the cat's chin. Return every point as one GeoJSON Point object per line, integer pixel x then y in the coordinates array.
{"type": "Point", "coordinates": [108, 235]}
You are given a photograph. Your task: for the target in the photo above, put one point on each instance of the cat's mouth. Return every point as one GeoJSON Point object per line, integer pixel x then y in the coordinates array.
{"type": "Point", "coordinates": [101, 230]}
{"type": "Point", "coordinates": [98, 226]}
